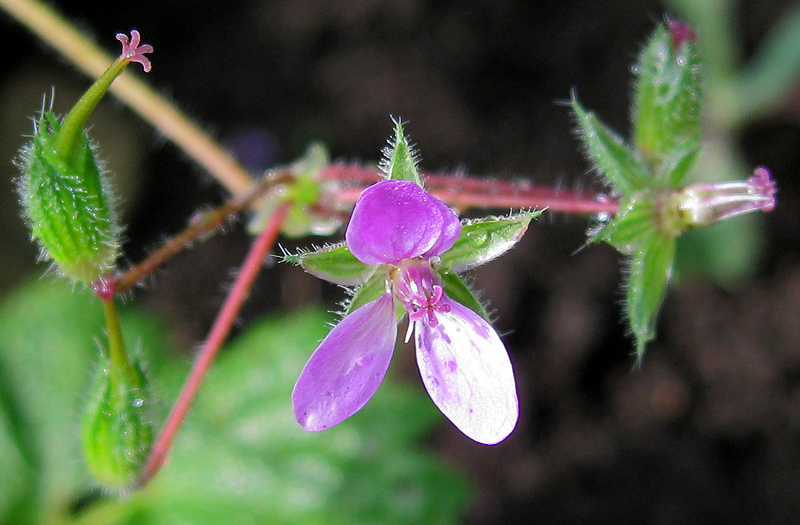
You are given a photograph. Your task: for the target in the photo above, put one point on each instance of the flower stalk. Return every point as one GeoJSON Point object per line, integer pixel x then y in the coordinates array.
{"type": "Point", "coordinates": [219, 332]}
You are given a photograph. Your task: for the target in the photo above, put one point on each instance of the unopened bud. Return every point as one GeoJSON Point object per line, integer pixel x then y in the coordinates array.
{"type": "Point", "coordinates": [116, 431]}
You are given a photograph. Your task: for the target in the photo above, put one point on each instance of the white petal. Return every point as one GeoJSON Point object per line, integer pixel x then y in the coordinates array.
{"type": "Point", "coordinates": [468, 374]}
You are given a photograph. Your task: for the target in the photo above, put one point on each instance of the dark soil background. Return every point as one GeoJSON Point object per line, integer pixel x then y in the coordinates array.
{"type": "Point", "coordinates": [707, 431]}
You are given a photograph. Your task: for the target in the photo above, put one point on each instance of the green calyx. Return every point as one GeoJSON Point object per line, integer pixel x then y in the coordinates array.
{"type": "Point", "coordinates": [68, 203]}
{"type": "Point", "coordinates": [115, 431]}
{"type": "Point", "coordinates": [645, 173]}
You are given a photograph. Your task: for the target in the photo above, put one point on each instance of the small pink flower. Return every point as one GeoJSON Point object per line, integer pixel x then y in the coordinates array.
{"type": "Point", "coordinates": [463, 363]}
{"type": "Point", "coordinates": [133, 50]}
{"type": "Point", "coordinates": [709, 202]}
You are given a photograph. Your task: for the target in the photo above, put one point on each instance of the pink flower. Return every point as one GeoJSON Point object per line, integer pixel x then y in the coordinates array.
{"type": "Point", "coordinates": [403, 230]}
{"type": "Point", "coordinates": [133, 50]}
{"type": "Point", "coordinates": [709, 202]}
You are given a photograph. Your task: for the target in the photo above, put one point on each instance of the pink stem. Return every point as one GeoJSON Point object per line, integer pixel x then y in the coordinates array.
{"type": "Point", "coordinates": [219, 332]}
{"type": "Point", "coordinates": [471, 192]}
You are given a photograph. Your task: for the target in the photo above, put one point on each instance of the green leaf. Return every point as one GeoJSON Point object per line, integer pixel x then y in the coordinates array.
{"type": "Point", "coordinates": [482, 240]}
{"type": "Point", "coordinates": [457, 289]}
{"type": "Point", "coordinates": [399, 162]}
{"type": "Point", "coordinates": [609, 154]}
{"type": "Point", "coordinates": [15, 469]}
{"type": "Point", "coordinates": [649, 271]}
{"type": "Point", "coordinates": [334, 263]}
{"type": "Point", "coordinates": [772, 73]}
{"type": "Point", "coordinates": [240, 458]}
{"type": "Point", "coordinates": [666, 110]}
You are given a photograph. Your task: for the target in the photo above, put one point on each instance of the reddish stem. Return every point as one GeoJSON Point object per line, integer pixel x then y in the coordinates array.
{"type": "Point", "coordinates": [219, 332]}
{"type": "Point", "coordinates": [471, 192]}
{"type": "Point", "coordinates": [200, 226]}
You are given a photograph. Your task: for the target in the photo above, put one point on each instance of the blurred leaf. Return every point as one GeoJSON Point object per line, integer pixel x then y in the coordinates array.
{"type": "Point", "coordinates": [241, 457]}
{"type": "Point", "coordinates": [47, 349]}
{"type": "Point", "coordinates": [774, 70]}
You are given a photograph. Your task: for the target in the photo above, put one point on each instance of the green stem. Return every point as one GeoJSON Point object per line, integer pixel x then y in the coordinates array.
{"type": "Point", "coordinates": [161, 113]}
{"type": "Point", "coordinates": [116, 344]}
{"type": "Point", "coordinates": [72, 127]}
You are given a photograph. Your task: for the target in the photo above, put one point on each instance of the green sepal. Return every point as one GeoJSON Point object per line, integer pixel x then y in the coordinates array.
{"type": "Point", "coordinates": [666, 108]}
{"type": "Point", "coordinates": [679, 164]}
{"type": "Point", "coordinates": [334, 263]}
{"type": "Point", "coordinates": [68, 204]}
{"type": "Point", "coordinates": [369, 291]}
{"type": "Point", "coordinates": [482, 240]}
{"type": "Point", "coordinates": [609, 153]}
{"type": "Point", "coordinates": [635, 221]}
{"type": "Point", "coordinates": [399, 161]}
{"type": "Point", "coordinates": [116, 432]}
{"type": "Point", "coordinates": [649, 271]}
{"type": "Point", "coordinates": [457, 290]}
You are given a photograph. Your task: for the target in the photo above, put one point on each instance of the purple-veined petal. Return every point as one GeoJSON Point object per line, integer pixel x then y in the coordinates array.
{"type": "Point", "coordinates": [468, 374]}
{"type": "Point", "coordinates": [347, 367]}
{"type": "Point", "coordinates": [395, 220]}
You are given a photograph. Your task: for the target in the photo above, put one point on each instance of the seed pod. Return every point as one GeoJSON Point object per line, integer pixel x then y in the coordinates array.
{"type": "Point", "coordinates": [116, 430]}
{"type": "Point", "coordinates": [68, 203]}
{"type": "Point", "coordinates": [64, 193]}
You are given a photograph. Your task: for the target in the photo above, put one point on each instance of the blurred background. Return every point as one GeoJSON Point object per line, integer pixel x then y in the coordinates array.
{"type": "Point", "coordinates": [707, 431]}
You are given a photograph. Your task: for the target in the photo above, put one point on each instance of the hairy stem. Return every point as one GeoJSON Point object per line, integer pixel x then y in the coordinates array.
{"type": "Point", "coordinates": [465, 192]}
{"type": "Point", "coordinates": [201, 226]}
{"type": "Point", "coordinates": [219, 332]}
{"type": "Point", "coordinates": [116, 344]}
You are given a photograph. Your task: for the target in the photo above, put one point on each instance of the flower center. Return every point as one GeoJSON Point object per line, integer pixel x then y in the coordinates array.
{"type": "Point", "coordinates": [418, 287]}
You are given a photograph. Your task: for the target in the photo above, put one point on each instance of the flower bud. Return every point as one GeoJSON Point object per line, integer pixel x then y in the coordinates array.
{"type": "Point", "coordinates": [115, 431]}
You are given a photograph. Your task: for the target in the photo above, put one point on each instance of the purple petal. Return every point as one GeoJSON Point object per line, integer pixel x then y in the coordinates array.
{"type": "Point", "coordinates": [468, 374]}
{"type": "Point", "coordinates": [347, 367]}
{"type": "Point", "coordinates": [395, 220]}
{"type": "Point", "coordinates": [451, 229]}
